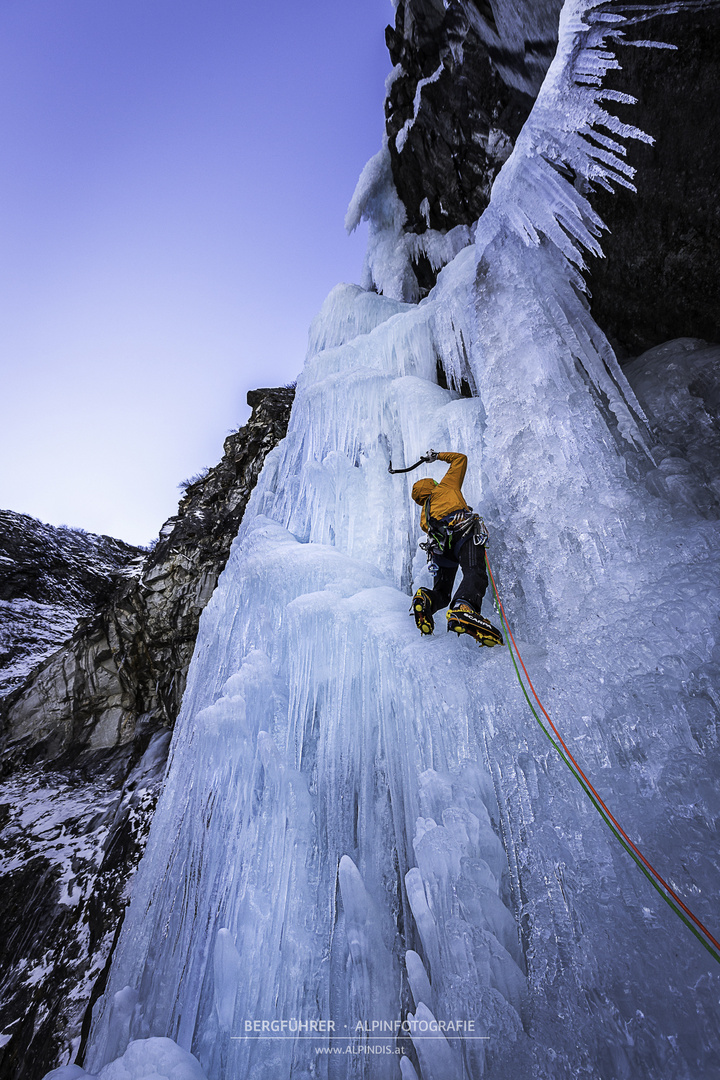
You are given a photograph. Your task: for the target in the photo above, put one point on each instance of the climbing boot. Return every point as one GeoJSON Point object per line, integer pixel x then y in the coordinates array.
{"type": "Point", "coordinates": [422, 610]}
{"type": "Point", "coordinates": [464, 619]}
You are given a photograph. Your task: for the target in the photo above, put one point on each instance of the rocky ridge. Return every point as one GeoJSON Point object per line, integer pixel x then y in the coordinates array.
{"type": "Point", "coordinates": [85, 738]}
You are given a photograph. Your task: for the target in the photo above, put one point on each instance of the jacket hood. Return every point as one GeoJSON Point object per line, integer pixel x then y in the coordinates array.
{"type": "Point", "coordinates": [421, 489]}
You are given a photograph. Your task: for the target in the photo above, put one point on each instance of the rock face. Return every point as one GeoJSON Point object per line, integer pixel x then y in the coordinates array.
{"type": "Point", "coordinates": [126, 663]}
{"type": "Point", "coordinates": [50, 578]}
{"type": "Point", "coordinates": [85, 738]}
{"type": "Point", "coordinates": [462, 87]}
{"type": "Point", "coordinates": [465, 79]}
{"type": "Point", "coordinates": [451, 120]}
{"type": "Point", "coordinates": [661, 275]}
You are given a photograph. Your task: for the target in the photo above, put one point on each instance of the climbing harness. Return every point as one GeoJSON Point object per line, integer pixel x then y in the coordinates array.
{"type": "Point", "coordinates": [452, 530]}
{"type": "Point", "coordinates": [666, 891]}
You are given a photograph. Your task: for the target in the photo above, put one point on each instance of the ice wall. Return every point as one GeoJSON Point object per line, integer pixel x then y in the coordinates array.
{"type": "Point", "coordinates": [362, 826]}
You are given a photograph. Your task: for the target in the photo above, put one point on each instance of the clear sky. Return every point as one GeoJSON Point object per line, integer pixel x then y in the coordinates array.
{"type": "Point", "coordinates": [174, 176]}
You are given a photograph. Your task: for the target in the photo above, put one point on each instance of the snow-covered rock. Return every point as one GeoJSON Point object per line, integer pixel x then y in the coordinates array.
{"type": "Point", "coordinates": [49, 579]}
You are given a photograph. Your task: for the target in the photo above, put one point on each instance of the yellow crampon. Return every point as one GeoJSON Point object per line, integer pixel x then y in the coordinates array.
{"type": "Point", "coordinates": [421, 610]}
{"type": "Point", "coordinates": [463, 619]}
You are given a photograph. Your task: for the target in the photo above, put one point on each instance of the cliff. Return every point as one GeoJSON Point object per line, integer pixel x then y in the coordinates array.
{"type": "Point", "coordinates": [86, 732]}
{"type": "Point", "coordinates": [465, 78]}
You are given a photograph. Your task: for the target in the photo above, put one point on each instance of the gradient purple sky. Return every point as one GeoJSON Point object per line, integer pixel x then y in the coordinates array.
{"type": "Point", "coordinates": [174, 176]}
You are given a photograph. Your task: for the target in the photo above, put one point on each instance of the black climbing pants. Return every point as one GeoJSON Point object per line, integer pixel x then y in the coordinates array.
{"type": "Point", "coordinates": [474, 582]}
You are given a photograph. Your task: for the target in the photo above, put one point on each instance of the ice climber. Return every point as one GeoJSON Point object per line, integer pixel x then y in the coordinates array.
{"type": "Point", "coordinates": [456, 537]}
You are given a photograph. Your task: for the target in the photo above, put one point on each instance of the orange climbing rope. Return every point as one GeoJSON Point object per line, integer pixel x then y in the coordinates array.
{"type": "Point", "coordinates": [666, 891]}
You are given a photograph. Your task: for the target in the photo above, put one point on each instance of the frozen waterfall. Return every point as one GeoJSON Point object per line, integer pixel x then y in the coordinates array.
{"type": "Point", "coordinates": [367, 860]}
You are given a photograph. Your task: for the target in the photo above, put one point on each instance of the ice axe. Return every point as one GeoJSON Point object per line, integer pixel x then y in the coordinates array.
{"type": "Point", "coordinates": [426, 458]}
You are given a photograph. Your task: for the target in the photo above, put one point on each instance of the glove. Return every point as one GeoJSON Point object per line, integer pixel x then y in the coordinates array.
{"type": "Point", "coordinates": [431, 456]}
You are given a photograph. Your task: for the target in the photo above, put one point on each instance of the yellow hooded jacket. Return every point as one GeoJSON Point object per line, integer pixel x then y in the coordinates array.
{"type": "Point", "coordinates": [446, 496]}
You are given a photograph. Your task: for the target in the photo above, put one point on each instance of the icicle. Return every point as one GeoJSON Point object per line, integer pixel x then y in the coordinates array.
{"type": "Point", "coordinates": [417, 977]}
{"type": "Point", "coordinates": [227, 970]}
{"type": "Point", "coordinates": [436, 1057]}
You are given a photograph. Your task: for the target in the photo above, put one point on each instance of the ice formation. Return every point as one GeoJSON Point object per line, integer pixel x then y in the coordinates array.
{"type": "Point", "coordinates": [367, 860]}
{"type": "Point", "coordinates": [144, 1059]}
